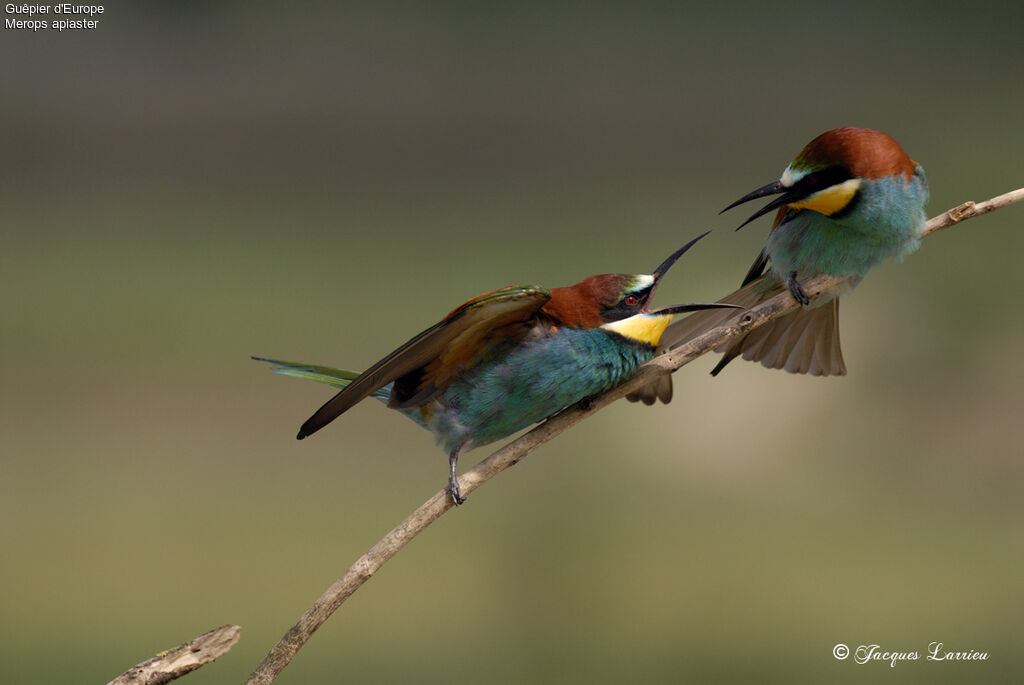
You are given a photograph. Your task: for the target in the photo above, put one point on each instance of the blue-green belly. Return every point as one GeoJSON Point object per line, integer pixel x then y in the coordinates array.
{"type": "Point", "coordinates": [526, 383]}
{"type": "Point", "coordinates": [885, 223]}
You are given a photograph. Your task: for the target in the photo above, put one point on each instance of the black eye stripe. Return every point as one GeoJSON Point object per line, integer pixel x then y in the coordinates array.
{"type": "Point", "coordinates": [826, 178]}
{"type": "Point", "coordinates": [625, 307]}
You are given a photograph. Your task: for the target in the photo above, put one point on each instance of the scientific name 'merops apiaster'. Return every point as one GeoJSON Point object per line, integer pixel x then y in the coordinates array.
{"type": "Point", "coordinates": [63, 17]}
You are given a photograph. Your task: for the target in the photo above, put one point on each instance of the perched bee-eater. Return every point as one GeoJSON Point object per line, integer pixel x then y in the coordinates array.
{"type": "Point", "coordinates": [508, 359]}
{"type": "Point", "coordinates": [850, 200]}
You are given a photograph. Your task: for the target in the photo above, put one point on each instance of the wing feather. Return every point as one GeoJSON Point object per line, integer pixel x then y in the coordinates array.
{"type": "Point", "coordinates": [451, 340]}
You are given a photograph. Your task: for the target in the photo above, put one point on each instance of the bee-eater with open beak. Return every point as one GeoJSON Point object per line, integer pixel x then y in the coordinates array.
{"type": "Point", "coordinates": [850, 200]}
{"type": "Point", "coordinates": [508, 359]}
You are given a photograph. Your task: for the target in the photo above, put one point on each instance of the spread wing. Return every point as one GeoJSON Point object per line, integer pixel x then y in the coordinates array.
{"type": "Point", "coordinates": [421, 366]}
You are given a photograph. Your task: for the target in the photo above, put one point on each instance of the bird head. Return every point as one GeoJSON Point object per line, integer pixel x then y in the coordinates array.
{"type": "Point", "coordinates": [828, 173]}
{"type": "Point", "coordinates": [619, 303]}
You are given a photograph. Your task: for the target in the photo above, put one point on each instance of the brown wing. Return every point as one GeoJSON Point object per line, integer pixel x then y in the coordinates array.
{"type": "Point", "coordinates": [504, 314]}
{"type": "Point", "coordinates": [803, 341]}
{"type": "Point", "coordinates": [434, 354]}
{"type": "Point", "coordinates": [658, 389]}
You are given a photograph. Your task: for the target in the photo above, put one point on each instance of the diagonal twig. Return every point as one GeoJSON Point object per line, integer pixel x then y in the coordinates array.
{"type": "Point", "coordinates": [367, 565]}
{"type": "Point", "coordinates": [185, 658]}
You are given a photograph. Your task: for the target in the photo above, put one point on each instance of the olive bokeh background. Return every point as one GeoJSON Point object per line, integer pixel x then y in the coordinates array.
{"type": "Point", "coordinates": [193, 183]}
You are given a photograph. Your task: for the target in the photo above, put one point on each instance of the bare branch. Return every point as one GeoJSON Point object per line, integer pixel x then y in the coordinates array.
{"type": "Point", "coordinates": [176, 662]}
{"type": "Point", "coordinates": [368, 564]}
{"type": "Point", "coordinates": [969, 210]}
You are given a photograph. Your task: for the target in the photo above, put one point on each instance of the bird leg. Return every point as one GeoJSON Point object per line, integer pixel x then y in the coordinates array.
{"type": "Point", "coordinates": [797, 290]}
{"type": "Point", "coordinates": [453, 480]}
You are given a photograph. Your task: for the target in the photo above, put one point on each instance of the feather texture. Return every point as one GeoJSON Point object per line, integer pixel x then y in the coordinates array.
{"type": "Point", "coordinates": [441, 348]}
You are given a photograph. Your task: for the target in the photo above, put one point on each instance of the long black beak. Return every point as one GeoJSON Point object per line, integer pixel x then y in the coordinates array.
{"type": "Point", "coordinates": [667, 264]}
{"type": "Point", "coordinates": [664, 267]}
{"type": "Point", "coordinates": [773, 188]}
{"type": "Point", "coordinates": [680, 308]}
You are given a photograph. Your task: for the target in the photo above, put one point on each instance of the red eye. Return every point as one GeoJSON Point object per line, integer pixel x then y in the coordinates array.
{"type": "Point", "coordinates": [631, 300]}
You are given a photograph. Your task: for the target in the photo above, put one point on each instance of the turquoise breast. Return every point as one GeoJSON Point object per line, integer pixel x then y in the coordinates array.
{"type": "Point", "coordinates": [886, 222]}
{"type": "Point", "coordinates": [527, 383]}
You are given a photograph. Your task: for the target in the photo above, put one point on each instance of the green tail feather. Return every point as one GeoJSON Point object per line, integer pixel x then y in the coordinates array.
{"type": "Point", "coordinates": [337, 378]}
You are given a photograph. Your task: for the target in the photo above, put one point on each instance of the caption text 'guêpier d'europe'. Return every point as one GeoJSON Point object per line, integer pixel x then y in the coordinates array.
{"type": "Point", "coordinates": [60, 17]}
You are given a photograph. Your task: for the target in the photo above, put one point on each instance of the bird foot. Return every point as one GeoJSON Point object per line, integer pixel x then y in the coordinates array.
{"type": "Point", "coordinates": [454, 491]}
{"type": "Point", "coordinates": [797, 290]}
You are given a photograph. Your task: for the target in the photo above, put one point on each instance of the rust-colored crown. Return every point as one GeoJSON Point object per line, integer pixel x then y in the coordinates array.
{"type": "Point", "coordinates": [580, 305]}
{"type": "Point", "coordinates": [865, 152]}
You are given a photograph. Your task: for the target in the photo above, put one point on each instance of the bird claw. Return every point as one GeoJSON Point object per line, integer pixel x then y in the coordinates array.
{"type": "Point", "coordinates": [797, 290]}
{"type": "Point", "coordinates": [455, 493]}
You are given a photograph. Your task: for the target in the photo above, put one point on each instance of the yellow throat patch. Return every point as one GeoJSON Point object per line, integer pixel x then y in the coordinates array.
{"type": "Point", "coordinates": [831, 199]}
{"type": "Point", "coordinates": [643, 328]}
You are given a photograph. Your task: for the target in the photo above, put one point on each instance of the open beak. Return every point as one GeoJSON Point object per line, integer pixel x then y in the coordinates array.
{"type": "Point", "coordinates": [679, 308]}
{"type": "Point", "coordinates": [774, 188]}
{"type": "Point", "coordinates": [667, 264]}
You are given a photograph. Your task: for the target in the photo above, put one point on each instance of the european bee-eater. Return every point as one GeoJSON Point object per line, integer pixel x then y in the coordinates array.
{"type": "Point", "coordinates": [508, 359]}
{"type": "Point", "coordinates": [850, 200]}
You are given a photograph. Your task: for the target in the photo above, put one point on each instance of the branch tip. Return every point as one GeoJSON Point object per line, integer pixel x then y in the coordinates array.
{"type": "Point", "coordinates": [171, 664]}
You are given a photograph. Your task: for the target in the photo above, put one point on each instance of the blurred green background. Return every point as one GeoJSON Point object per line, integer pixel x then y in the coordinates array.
{"type": "Point", "coordinates": [192, 183]}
